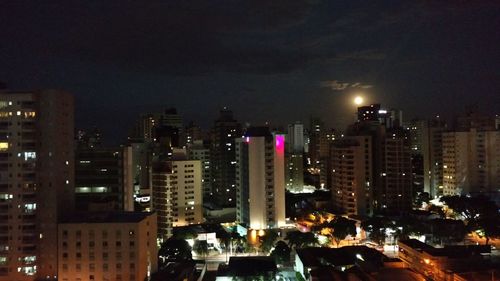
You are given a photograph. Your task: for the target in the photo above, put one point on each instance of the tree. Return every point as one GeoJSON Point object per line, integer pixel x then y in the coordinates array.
{"type": "Point", "coordinates": [268, 239]}
{"type": "Point", "coordinates": [342, 228]}
{"type": "Point", "coordinates": [237, 241]}
{"type": "Point", "coordinates": [421, 198]}
{"type": "Point", "coordinates": [437, 210]}
{"type": "Point", "coordinates": [489, 224]}
{"type": "Point", "coordinates": [281, 252]}
{"type": "Point", "coordinates": [480, 214]}
{"type": "Point", "coordinates": [200, 247]}
{"type": "Point", "coordinates": [376, 226]}
{"type": "Point", "coordinates": [224, 237]}
{"type": "Point", "coordinates": [406, 226]}
{"type": "Point", "coordinates": [174, 249]}
{"type": "Point", "coordinates": [297, 239]}
{"type": "Point", "coordinates": [447, 230]}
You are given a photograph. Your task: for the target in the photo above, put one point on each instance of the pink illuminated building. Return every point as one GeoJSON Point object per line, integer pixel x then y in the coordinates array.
{"type": "Point", "coordinates": [260, 179]}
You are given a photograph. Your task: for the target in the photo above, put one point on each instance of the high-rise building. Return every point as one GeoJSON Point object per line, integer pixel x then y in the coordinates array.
{"type": "Point", "coordinates": [104, 179]}
{"type": "Point", "coordinates": [144, 128]}
{"type": "Point", "coordinates": [427, 157]}
{"type": "Point", "coordinates": [316, 136]}
{"type": "Point", "coordinates": [432, 155]}
{"type": "Point", "coordinates": [198, 150]}
{"type": "Point", "coordinates": [351, 163]}
{"type": "Point", "coordinates": [471, 162]}
{"type": "Point", "coordinates": [390, 118]}
{"type": "Point", "coordinates": [226, 129]}
{"type": "Point", "coordinates": [177, 194]}
{"type": "Point", "coordinates": [142, 157]}
{"type": "Point", "coordinates": [319, 151]}
{"type": "Point", "coordinates": [193, 133]}
{"type": "Point", "coordinates": [260, 158]}
{"type": "Point", "coordinates": [295, 157]}
{"type": "Point", "coordinates": [395, 191]}
{"type": "Point", "coordinates": [391, 165]}
{"type": "Point", "coordinates": [36, 180]}
{"type": "Point", "coordinates": [107, 246]}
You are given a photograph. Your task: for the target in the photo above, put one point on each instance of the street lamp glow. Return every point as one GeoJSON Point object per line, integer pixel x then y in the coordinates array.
{"type": "Point", "coordinates": [358, 100]}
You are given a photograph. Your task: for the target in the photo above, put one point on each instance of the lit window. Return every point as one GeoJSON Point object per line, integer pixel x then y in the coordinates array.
{"type": "Point", "coordinates": [4, 146]}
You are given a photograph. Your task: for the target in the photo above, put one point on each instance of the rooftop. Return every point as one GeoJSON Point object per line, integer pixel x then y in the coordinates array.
{"type": "Point", "coordinates": [454, 251]}
{"type": "Point", "coordinates": [248, 266]}
{"type": "Point", "coordinates": [349, 255]}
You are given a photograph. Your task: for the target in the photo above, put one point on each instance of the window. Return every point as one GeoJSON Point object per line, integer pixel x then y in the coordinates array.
{"type": "Point", "coordinates": [118, 266]}
{"type": "Point", "coordinates": [104, 267]}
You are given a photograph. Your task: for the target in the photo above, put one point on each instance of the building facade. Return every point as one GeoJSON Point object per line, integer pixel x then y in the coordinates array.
{"type": "Point", "coordinates": [108, 246]}
{"type": "Point", "coordinates": [260, 174]}
{"type": "Point", "coordinates": [104, 179]}
{"type": "Point", "coordinates": [471, 162]}
{"type": "Point", "coordinates": [226, 129]}
{"type": "Point", "coordinates": [36, 180]}
{"type": "Point", "coordinates": [295, 157]}
{"type": "Point", "coordinates": [351, 162]}
{"type": "Point", "coordinates": [177, 194]}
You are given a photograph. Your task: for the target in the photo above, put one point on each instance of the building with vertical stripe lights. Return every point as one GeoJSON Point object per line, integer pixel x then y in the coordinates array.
{"type": "Point", "coordinates": [260, 179]}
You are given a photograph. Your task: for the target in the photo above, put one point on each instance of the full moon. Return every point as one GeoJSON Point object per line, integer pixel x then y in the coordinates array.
{"type": "Point", "coordinates": [358, 100]}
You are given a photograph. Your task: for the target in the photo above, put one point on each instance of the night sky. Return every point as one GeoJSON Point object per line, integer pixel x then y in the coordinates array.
{"type": "Point", "coordinates": [277, 61]}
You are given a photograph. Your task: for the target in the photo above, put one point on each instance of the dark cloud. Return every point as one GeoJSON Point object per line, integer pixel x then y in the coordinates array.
{"type": "Point", "coordinates": [272, 59]}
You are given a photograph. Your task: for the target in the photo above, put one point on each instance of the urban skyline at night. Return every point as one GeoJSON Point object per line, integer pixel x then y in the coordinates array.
{"type": "Point", "coordinates": [234, 140]}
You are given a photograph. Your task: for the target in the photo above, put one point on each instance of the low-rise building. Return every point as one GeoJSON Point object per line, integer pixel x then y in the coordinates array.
{"type": "Point", "coordinates": [441, 263]}
{"type": "Point", "coordinates": [107, 246]}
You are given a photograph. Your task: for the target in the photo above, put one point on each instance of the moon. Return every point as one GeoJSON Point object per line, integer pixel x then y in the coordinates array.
{"type": "Point", "coordinates": [358, 100]}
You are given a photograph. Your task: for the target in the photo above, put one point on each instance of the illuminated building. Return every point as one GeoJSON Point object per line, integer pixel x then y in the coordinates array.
{"type": "Point", "coordinates": [107, 247]}
{"type": "Point", "coordinates": [391, 188]}
{"type": "Point", "coordinates": [351, 182]}
{"type": "Point", "coordinates": [144, 128]}
{"type": "Point", "coordinates": [177, 194]}
{"type": "Point", "coordinates": [260, 174]}
{"type": "Point", "coordinates": [294, 157]}
{"type": "Point", "coordinates": [197, 150]}
{"type": "Point", "coordinates": [104, 179]}
{"type": "Point", "coordinates": [427, 154]}
{"type": "Point", "coordinates": [389, 118]}
{"type": "Point", "coordinates": [319, 150]}
{"type": "Point", "coordinates": [36, 180]}
{"type": "Point", "coordinates": [141, 173]}
{"type": "Point", "coordinates": [226, 129]}
{"type": "Point", "coordinates": [471, 162]}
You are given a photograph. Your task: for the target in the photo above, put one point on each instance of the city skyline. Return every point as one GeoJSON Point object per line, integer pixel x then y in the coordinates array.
{"type": "Point", "coordinates": [309, 57]}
